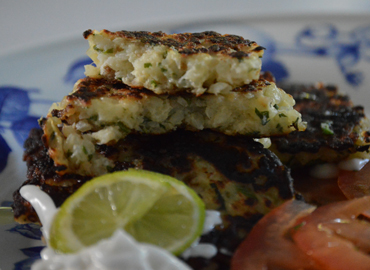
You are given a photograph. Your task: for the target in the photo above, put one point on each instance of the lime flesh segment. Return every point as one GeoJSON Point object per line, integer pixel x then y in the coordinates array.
{"type": "Point", "coordinates": [152, 207]}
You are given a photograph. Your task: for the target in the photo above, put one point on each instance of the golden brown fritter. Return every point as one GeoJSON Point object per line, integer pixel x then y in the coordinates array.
{"type": "Point", "coordinates": [168, 63]}
{"type": "Point", "coordinates": [101, 111]}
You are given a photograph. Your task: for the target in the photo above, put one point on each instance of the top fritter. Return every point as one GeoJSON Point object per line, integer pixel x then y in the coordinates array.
{"type": "Point", "coordinates": [193, 62]}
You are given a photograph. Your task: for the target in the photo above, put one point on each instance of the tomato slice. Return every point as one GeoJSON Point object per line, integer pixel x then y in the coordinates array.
{"type": "Point", "coordinates": [355, 184]}
{"type": "Point", "coordinates": [358, 232]}
{"type": "Point", "coordinates": [317, 239]}
{"type": "Point", "coordinates": [268, 246]}
{"type": "Point", "coordinates": [297, 236]}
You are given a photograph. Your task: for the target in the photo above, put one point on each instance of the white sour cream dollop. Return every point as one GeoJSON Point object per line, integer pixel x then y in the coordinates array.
{"type": "Point", "coordinates": [120, 251]}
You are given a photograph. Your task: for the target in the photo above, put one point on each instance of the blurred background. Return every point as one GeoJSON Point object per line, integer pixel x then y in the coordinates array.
{"type": "Point", "coordinates": [25, 23]}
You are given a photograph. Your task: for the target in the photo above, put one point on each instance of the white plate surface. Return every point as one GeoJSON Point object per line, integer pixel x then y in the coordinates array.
{"type": "Point", "coordinates": [307, 49]}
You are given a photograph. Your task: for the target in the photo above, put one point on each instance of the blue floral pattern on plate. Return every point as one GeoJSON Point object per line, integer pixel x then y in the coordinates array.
{"type": "Point", "coordinates": [33, 253]}
{"type": "Point", "coordinates": [14, 115]}
{"type": "Point", "coordinates": [347, 48]}
{"type": "Point", "coordinates": [31, 231]}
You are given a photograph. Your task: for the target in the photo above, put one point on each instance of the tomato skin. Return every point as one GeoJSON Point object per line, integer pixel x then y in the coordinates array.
{"type": "Point", "coordinates": [317, 239]}
{"type": "Point", "coordinates": [355, 184]}
{"type": "Point", "coordinates": [295, 236]}
{"type": "Point", "coordinates": [268, 247]}
{"type": "Point", "coordinates": [358, 232]}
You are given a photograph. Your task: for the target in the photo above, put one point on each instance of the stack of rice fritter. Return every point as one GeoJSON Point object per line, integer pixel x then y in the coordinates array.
{"type": "Point", "coordinates": [186, 105]}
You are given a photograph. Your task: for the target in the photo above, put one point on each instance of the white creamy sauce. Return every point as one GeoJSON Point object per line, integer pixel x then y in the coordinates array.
{"type": "Point", "coordinates": [324, 171]}
{"type": "Point", "coordinates": [203, 250]}
{"type": "Point", "coordinates": [354, 164]}
{"type": "Point", "coordinates": [213, 218]}
{"type": "Point", "coordinates": [331, 170]}
{"type": "Point", "coordinates": [120, 251]}
{"type": "Point", "coordinates": [43, 205]}
{"type": "Point", "coordinates": [226, 252]}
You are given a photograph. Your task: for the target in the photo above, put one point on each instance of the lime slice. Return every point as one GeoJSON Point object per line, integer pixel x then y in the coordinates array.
{"type": "Point", "coordinates": [152, 207]}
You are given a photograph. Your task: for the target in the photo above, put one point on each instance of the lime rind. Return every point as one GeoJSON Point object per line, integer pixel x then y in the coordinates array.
{"type": "Point", "coordinates": [177, 219]}
{"type": "Point", "coordinates": [149, 214]}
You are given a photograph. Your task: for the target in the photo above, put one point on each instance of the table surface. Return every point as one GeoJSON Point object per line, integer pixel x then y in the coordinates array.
{"type": "Point", "coordinates": [25, 23]}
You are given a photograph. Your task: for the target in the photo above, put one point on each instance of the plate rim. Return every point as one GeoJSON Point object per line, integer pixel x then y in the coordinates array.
{"type": "Point", "coordinates": [183, 23]}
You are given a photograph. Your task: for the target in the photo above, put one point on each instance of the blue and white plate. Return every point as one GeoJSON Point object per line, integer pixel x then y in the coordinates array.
{"type": "Point", "coordinates": [331, 49]}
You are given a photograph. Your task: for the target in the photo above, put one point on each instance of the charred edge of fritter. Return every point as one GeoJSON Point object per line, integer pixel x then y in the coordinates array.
{"type": "Point", "coordinates": [366, 136]}
{"type": "Point", "coordinates": [253, 86]}
{"type": "Point", "coordinates": [189, 43]}
{"type": "Point", "coordinates": [91, 88]}
{"type": "Point", "coordinates": [233, 156]}
{"type": "Point", "coordinates": [267, 76]}
{"type": "Point", "coordinates": [42, 172]}
{"type": "Point", "coordinates": [40, 168]}
{"type": "Point", "coordinates": [322, 104]}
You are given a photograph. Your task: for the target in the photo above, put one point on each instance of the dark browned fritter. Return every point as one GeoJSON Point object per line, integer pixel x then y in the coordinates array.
{"type": "Point", "coordinates": [335, 128]}
{"type": "Point", "coordinates": [42, 172]}
{"type": "Point", "coordinates": [188, 43]}
{"type": "Point", "coordinates": [234, 175]}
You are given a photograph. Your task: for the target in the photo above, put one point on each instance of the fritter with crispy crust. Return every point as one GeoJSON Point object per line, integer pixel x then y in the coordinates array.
{"type": "Point", "coordinates": [164, 63]}
{"type": "Point", "coordinates": [102, 112]}
{"type": "Point", "coordinates": [336, 129]}
{"type": "Point", "coordinates": [234, 175]}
